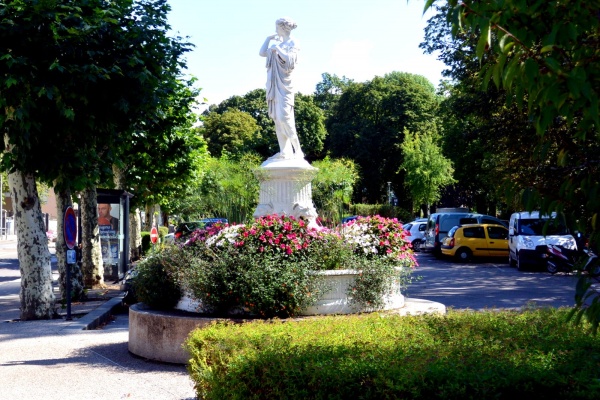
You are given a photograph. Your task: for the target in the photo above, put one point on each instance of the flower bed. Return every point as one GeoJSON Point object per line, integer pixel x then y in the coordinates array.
{"type": "Point", "coordinates": [275, 267]}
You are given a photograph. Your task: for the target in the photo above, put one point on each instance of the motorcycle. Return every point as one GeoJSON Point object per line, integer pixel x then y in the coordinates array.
{"type": "Point", "coordinates": [561, 259]}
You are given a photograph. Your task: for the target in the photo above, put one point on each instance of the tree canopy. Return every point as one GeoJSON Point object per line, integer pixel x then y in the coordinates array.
{"type": "Point", "coordinates": [78, 79]}
{"type": "Point", "coordinates": [367, 125]}
{"type": "Point", "coordinates": [309, 124]}
{"type": "Point", "coordinates": [427, 171]}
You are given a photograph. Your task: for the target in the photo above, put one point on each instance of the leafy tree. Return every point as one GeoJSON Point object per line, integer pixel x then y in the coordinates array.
{"type": "Point", "coordinates": [77, 77]}
{"type": "Point", "coordinates": [426, 169]}
{"type": "Point", "coordinates": [233, 132]}
{"type": "Point", "coordinates": [329, 90]}
{"type": "Point", "coordinates": [309, 124]}
{"type": "Point", "coordinates": [367, 126]}
{"type": "Point", "coordinates": [544, 54]}
{"type": "Point", "coordinates": [227, 188]}
{"type": "Point", "coordinates": [332, 188]}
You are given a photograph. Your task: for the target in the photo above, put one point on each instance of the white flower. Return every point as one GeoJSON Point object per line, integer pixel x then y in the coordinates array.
{"type": "Point", "coordinates": [228, 234]}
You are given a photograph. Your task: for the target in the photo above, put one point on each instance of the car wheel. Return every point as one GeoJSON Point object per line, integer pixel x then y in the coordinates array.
{"type": "Point", "coordinates": [416, 244]}
{"type": "Point", "coordinates": [511, 262]}
{"type": "Point", "coordinates": [463, 254]}
{"type": "Point", "coordinates": [551, 267]}
{"type": "Point", "coordinates": [520, 265]}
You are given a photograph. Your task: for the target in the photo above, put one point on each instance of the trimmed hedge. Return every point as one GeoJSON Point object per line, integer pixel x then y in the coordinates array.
{"type": "Point", "coordinates": [385, 210]}
{"type": "Point", "coordinates": [463, 355]}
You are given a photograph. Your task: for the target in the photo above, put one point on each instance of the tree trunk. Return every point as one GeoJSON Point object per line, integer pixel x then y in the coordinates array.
{"type": "Point", "coordinates": [149, 218]}
{"type": "Point", "coordinates": [37, 297]}
{"type": "Point", "coordinates": [135, 235]}
{"type": "Point", "coordinates": [63, 199]}
{"type": "Point", "coordinates": [91, 255]}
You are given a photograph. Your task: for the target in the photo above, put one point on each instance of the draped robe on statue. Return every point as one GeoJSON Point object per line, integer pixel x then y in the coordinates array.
{"type": "Point", "coordinates": [280, 98]}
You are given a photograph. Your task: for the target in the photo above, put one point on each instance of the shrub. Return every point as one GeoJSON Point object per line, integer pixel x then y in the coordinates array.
{"type": "Point", "coordinates": [463, 355]}
{"type": "Point", "coordinates": [157, 282]}
{"type": "Point", "coordinates": [162, 232]}
{"type": "Point", "coordinates": [146, 242]}
{"type": "Point", "coordinates": [268, 268]}
{"type": "Point", "coordinates": [384, 210]}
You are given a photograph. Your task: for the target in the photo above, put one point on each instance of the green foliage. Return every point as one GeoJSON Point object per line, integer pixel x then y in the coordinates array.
{"type": "Point", "coordinates": [166, 155]}
{"type": "Point", "coordinates": [228, 189]}
{"type": "Point", "coordinates": [543, 54]}
{"type": "Point", "coordinates": [233, 132]}
{"type": "Point", "coordinates": [385, 210]}
{"type": "Point", "coordinates": [146, 242]}
{"type": "Point", "coordinates": [329, 90]}
{"type": "Point", "coordinates": [367, 125]}
{"type": "Point", "coordinates": [267, 269]}
{"type": "Point", "coordinates": [162, 231]}
{"type": "Point", "coordinates": [426, 169]}
{"type": "Point", "coordinates": [156, 283]}
{"type": "Point", "coordinates": [78, 79]}
{"type": "Point", "coordinates": [309, 123]}
{"type": "Point", "coordinates": [483, 355]}
{"type": "Point", "coordinates": [332, 188]}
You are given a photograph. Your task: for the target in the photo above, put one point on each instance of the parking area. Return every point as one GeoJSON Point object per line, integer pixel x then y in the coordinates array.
{"type": "Point", "coordinates": [488, 284]}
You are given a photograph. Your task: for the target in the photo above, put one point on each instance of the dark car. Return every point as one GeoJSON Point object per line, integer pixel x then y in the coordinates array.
{"type": "Point", "coordinates": [185, 228]}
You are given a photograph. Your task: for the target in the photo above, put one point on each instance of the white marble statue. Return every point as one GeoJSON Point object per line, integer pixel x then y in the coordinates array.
{"type": "Point", "coordinates": [281, 60]}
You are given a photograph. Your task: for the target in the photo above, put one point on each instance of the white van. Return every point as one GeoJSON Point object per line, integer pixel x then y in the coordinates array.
{"type": "Point", "coordinates": [526, 240]}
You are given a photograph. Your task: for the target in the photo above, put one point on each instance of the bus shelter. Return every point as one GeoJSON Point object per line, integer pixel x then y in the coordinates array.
{"type": "Point", "coordinates": [113, 221]}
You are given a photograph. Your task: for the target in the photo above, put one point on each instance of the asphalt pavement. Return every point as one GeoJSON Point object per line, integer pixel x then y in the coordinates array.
{"type": "Point", "coordinates": [58, 359]}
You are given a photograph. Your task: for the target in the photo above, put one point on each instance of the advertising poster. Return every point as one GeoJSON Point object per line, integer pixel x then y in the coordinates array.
{"type": "Point", "coordinates": [108, 222]}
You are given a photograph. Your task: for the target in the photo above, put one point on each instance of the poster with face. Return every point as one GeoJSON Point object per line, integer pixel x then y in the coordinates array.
{"type": "Point", "coordinates": [108, 223]}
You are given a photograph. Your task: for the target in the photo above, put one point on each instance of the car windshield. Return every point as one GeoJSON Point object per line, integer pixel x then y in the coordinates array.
{"type": "Point", "coordinates": [536, 227]}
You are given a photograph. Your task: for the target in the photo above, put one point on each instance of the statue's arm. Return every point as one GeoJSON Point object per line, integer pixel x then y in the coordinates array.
{"type": "Point", "coordinates": [265, 46]}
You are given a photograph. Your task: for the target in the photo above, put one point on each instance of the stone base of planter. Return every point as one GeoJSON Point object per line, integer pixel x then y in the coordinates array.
{"type": "Point", "coordinates": [336, 301]}
{"type": "Point", "coordinates": [159, 335]}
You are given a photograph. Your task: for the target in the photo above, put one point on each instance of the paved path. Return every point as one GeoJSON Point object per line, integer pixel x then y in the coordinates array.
{"type": "Point", "coordinates": [56, 359]}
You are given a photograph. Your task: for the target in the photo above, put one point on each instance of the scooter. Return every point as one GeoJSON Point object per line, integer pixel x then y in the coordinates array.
{"type": "Point", "coordinates": [561, 259]}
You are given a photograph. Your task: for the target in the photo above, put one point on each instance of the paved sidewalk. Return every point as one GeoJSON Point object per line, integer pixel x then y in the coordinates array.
{"type": "Point", "coordinates": [58, 359]}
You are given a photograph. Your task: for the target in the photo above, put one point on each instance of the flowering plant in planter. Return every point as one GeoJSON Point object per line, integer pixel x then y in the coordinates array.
{"type": "Point", "coordinates": [382, 255]}
{"type": "Point", "coordinates": [267, 268]}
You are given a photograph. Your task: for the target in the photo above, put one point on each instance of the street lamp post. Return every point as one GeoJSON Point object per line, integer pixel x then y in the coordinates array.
{"type": "Point", "coordinates": [389, 193]}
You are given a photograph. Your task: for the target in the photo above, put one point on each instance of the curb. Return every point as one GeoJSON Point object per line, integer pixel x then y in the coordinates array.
{"type": "Point", "coordinates": [95, 318]}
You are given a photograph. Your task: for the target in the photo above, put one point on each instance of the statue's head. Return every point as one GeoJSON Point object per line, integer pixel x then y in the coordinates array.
{"type": "Point", "coordinates": [286, 23]}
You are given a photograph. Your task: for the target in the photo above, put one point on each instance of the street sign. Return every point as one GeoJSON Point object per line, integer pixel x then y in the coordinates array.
{"type": "Point", "coordinates": [71, 257]}
{"type": "Point", "coordinates": [154, 235]}
{"type": "Point", "coordinates": [70, 228]}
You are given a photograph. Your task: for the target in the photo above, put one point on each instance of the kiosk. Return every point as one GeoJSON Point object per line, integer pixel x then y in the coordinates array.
{"type": "Point", "coordinates": [113, 221]}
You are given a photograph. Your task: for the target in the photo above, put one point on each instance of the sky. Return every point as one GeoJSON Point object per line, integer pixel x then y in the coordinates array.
{"type": "Point", "coordinates": [358, 39]}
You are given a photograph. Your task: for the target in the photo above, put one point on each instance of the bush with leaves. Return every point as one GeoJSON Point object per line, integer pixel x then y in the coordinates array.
{"type": "Point", "coordinates": [157, 283]}
{"type": "Point", "coordinates": [268, 268]}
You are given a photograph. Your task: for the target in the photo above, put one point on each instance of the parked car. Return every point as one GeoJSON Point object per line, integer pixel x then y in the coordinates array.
{"type": "Point", "coordinates": [416, 233]}
{"type": "Point", "coordinates": [185, 228]}
{"type": "Point", "coordinates": [348, 219]}
{"type": "Point", "coordinates": [528, 235]}
{"type": "Point", "coordinates": [476, 240]}
{"type": "Point", "coordinates": [439, 224]}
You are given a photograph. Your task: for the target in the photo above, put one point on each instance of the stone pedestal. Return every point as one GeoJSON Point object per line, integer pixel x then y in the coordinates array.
{"type": "Point", "coordinates": [285, 189]}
